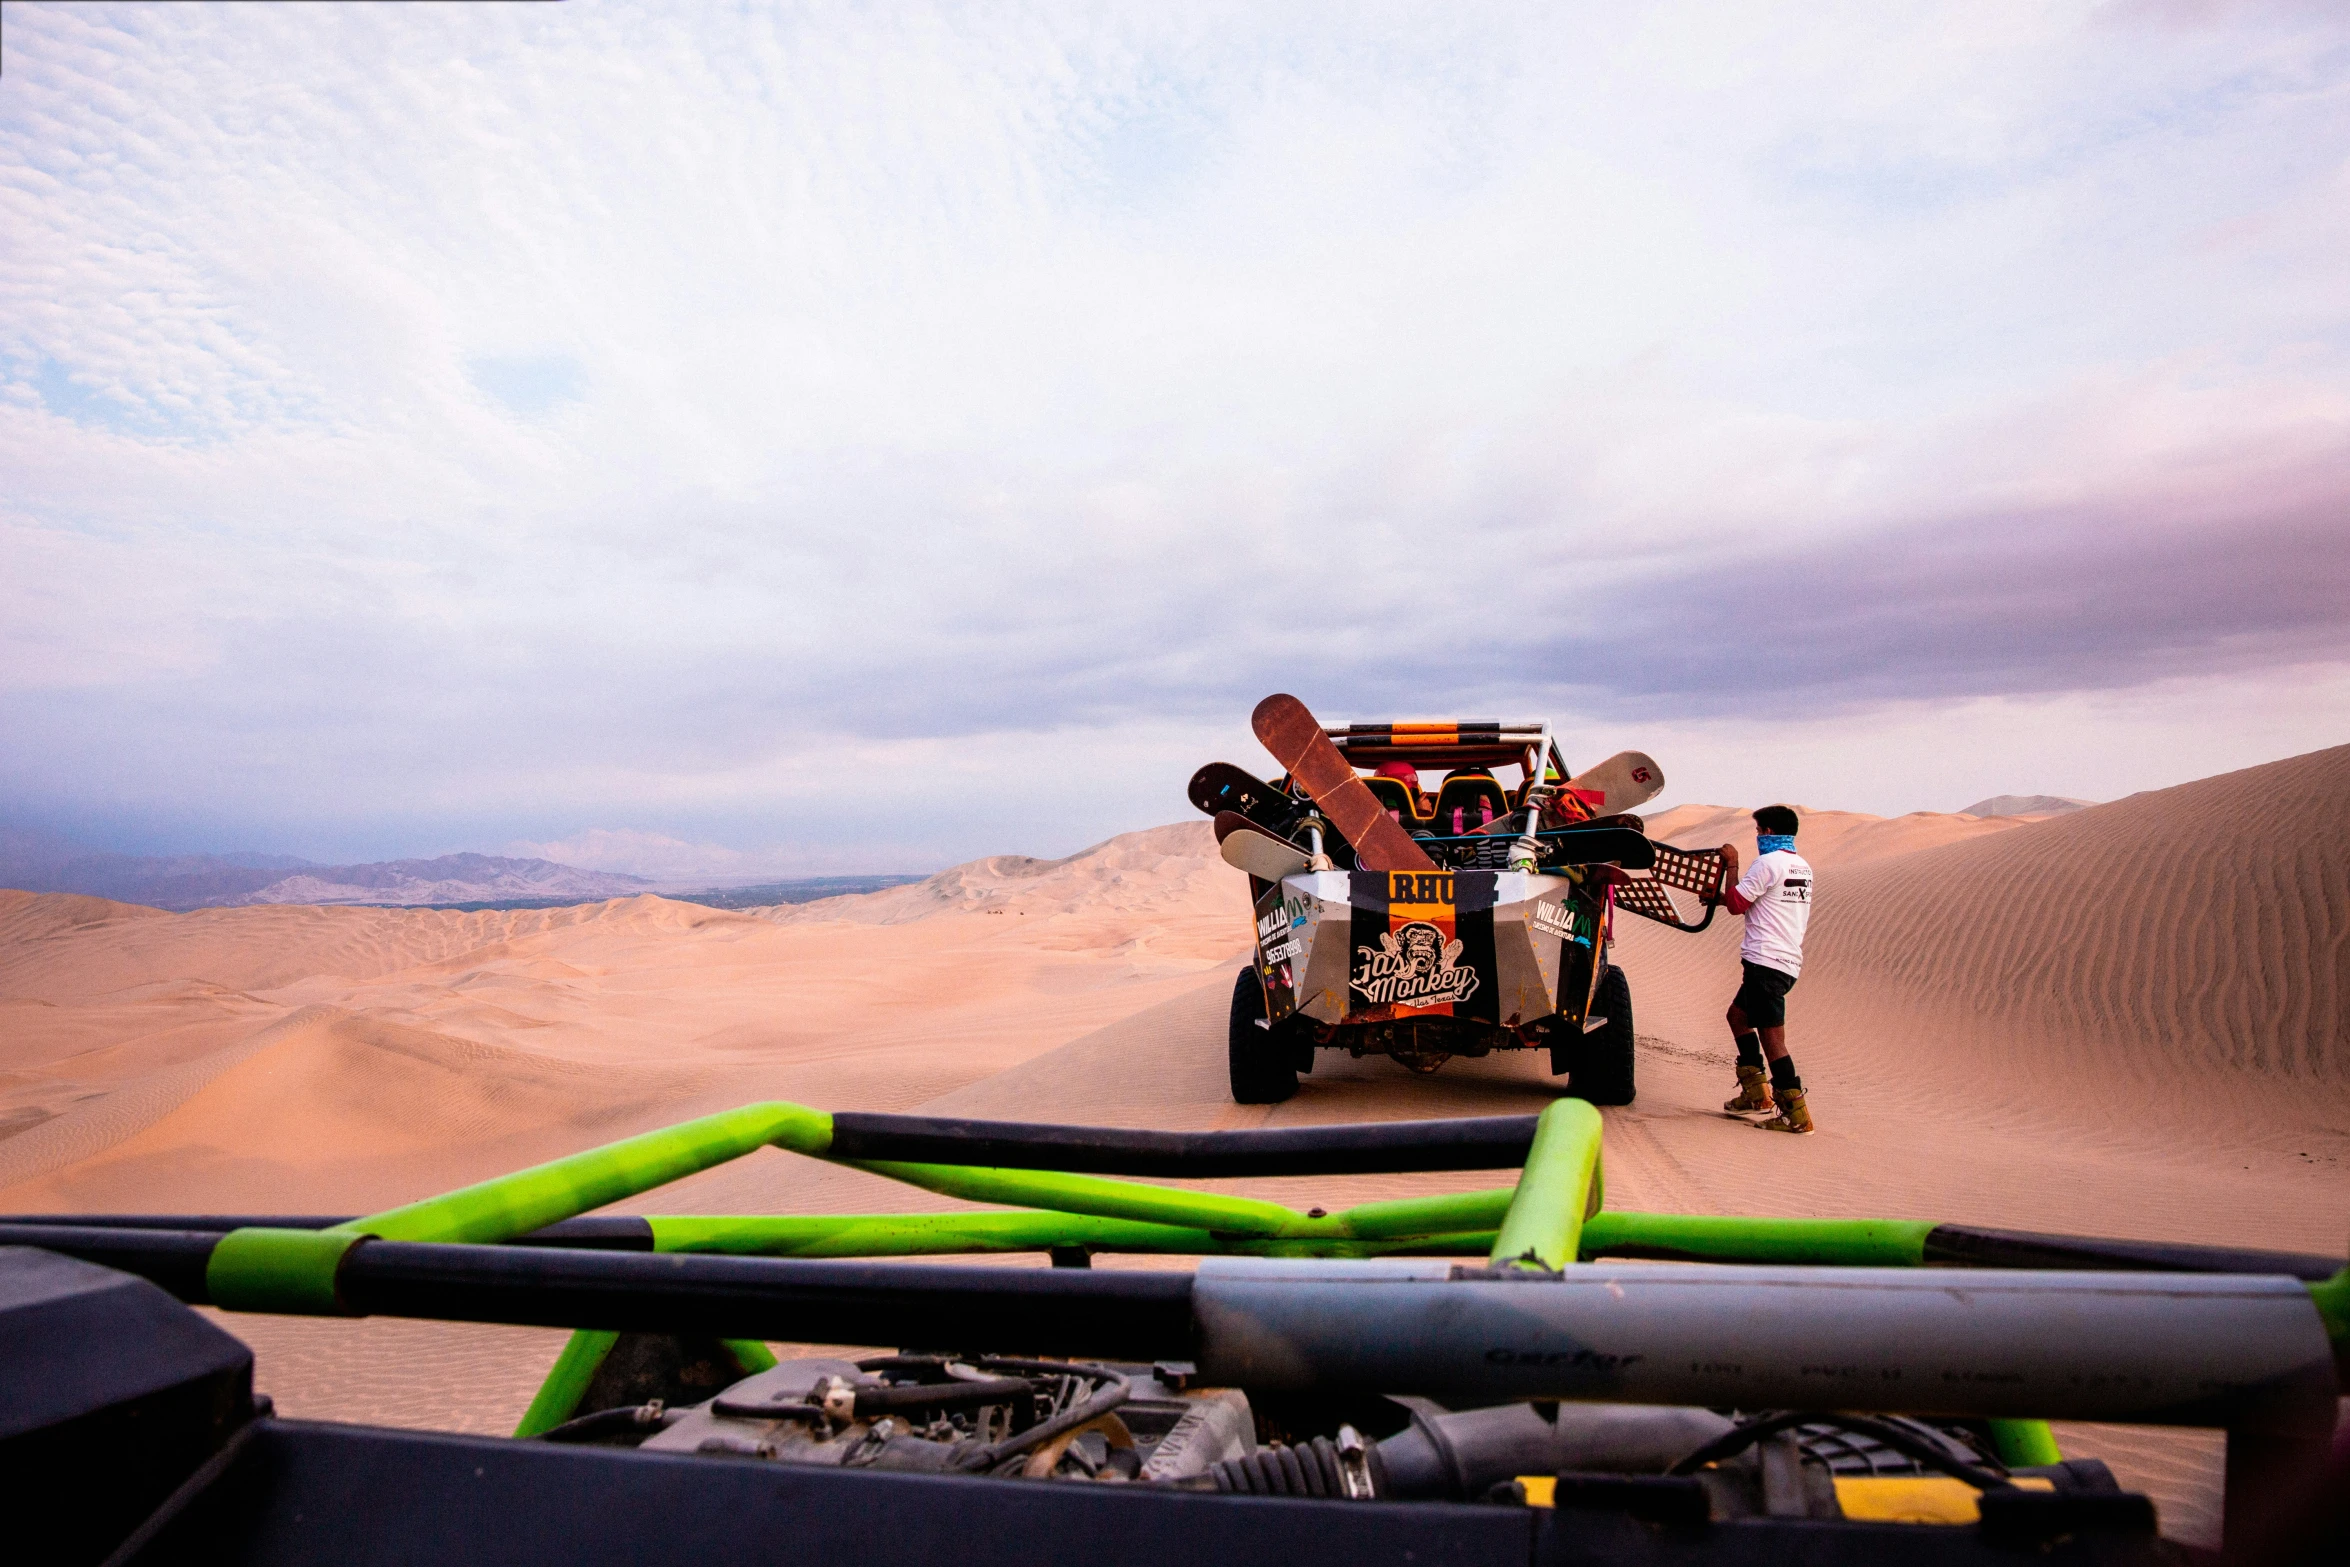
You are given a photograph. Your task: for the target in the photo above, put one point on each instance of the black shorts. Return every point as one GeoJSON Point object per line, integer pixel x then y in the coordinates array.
{"type": "Point", "coordinates": [1762, 996]}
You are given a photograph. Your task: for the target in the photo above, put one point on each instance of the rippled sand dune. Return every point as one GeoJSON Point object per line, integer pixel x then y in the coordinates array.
{"type": "Point", "coordinates": [2128, 1020]}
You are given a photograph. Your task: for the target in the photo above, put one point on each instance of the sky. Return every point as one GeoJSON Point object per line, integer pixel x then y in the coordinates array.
{"type": "Point", "coordinates": [743, 439]}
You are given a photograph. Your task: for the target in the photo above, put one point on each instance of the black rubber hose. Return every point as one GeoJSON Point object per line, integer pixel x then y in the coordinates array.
{"type": "Point", "coordinates": [644, 1418]}
{"type": "Point", "coordinates": [1462, 1454]}
{"type": "Point", "coordinates": [784, 1409]}
{"type": "Point", "coordinates": [1115, 1391]}
{"type": "Point", "coordinates": [1732, 1443]}
{"type": "Point", "coordinates": [1305, 1469]}
{"type": "Point", "coordinates": [937, 1395]}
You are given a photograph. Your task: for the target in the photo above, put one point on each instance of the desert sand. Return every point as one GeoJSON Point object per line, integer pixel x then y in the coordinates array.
{"type": "Point", "coordinates": [2128, 1020]}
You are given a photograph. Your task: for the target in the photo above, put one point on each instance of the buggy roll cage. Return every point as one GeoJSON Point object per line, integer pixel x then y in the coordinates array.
{"type": "Point", "coordinates": [524, 1248]}
{"type": "Point", "coordinates": [1450, 745]}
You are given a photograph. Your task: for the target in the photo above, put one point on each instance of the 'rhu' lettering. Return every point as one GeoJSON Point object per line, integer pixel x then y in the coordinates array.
{"type": "Point", "coordinates": [1419, 887]}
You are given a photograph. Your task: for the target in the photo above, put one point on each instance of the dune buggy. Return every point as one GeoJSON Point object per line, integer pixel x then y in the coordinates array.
{"type": "Point", "coordinates": [1498, 939]}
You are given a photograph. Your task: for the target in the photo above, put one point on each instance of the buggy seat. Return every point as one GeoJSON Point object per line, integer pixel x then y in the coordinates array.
{"type": "Point", "coordinates": [1395, 800]}
{"type": "Point", "coordinates": [1471, 798]}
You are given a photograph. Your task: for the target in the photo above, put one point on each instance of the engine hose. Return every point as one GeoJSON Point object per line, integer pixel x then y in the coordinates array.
{"type": "Point", "coordinates": [941, 1395]}
{"type": "Point", "coordinates": [1115, 1391]}
{"type": "Point", "coordinates": [1743, 1437]}
{"type": "Point", "coordinates": [642, 1419]}
{"type": "Point", "coordinates": [1315, 1468]}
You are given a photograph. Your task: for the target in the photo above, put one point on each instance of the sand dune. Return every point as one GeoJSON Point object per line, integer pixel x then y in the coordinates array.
{"type": "Point", "coordinates": [1829, 838]}
{"type": "Point", "coordinates": [2178, 955]}
{"type": "Point", "coordinates": [2125, 1020]}
{"type": "Point", "coordinates": [234, 1047]}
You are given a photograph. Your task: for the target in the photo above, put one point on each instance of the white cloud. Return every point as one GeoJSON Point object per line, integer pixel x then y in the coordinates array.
{"type": "Point", "coordinates": [502, 419]}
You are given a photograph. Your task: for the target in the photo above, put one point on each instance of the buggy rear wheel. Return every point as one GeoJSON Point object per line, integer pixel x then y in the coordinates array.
{"type": "Point", "coordinates": [1600, 1064]}
{"type": "Point", "coordinates": [1262, 1060]}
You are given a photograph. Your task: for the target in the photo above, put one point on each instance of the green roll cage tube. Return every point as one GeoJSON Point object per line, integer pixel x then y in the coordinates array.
{"type": "Point", "coordinates": [1552, 1218]}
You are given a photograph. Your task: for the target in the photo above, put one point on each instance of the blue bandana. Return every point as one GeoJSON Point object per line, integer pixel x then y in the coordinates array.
{"type": "Point", "coordinates": [1773, 842]}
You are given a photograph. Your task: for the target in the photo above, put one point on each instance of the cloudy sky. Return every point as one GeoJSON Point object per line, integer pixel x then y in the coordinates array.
{"type": "Point", "coordinates": [743, 438]}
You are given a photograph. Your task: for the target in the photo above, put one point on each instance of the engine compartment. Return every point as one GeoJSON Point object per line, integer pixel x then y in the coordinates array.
{"type": "Point", "coordinates": [1019, 1418]}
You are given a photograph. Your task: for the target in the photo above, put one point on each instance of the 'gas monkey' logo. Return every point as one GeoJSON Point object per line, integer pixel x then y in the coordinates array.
{"type": "Point", "coordinates": [1412, 967]}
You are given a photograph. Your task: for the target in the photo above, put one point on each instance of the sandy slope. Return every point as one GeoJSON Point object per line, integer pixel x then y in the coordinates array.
{"type": "Point", "coordinates": [1829, 838]}
{"type": "Point", "coordinates": [2128, 1020]}
{"type": "Point", "coordinates": [359, 1057]}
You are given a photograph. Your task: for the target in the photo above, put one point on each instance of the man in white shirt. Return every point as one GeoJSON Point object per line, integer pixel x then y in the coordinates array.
{"type": "Point", "coordinates": [1775, 896]}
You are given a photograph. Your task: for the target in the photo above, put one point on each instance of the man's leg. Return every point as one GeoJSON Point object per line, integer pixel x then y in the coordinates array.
{"type": "Point", "coordinates": [1794, 1115]}
{"type": "Point", "coordinates": [1754, 1089]}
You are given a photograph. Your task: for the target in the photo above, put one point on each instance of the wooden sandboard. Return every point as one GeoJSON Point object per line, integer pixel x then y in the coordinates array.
{"type": "Point", "coordinates": [1294, 736]}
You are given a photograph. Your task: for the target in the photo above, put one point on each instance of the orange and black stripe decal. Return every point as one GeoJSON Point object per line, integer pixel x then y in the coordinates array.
{"type": "Point", "coordinates": [1433, 736]}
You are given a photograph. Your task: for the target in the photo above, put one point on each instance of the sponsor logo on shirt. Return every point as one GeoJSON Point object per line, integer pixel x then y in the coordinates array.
{"type": "Point", "coordinates": [1796, 889]}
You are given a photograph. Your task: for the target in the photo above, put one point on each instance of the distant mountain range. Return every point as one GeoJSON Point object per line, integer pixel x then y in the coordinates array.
{"type": "Point", "coordinates": [36, 863]}
{"type": "Point", "coordinates": [2026, 805]}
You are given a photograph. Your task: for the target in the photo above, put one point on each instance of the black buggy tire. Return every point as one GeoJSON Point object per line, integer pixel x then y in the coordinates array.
{"type": "Point", "coordinates": [1600, 1065]}
{"type": "Point", "coordinates": [1262, 1060]}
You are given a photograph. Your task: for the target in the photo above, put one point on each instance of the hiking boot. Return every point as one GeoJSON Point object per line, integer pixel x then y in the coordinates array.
{"type": "Point", "coordinates": [1793, 1116]}
{"type": "Point", "coordinates": [1754, 1092]}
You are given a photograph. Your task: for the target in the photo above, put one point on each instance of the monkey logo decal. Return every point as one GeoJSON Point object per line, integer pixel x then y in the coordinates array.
{"type": "Point", "coordinates": [1412, 967]}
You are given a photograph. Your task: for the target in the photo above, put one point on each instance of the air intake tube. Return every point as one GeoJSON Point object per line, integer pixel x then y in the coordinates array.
{"type": "Point", "coordinates": [1462, 1456]}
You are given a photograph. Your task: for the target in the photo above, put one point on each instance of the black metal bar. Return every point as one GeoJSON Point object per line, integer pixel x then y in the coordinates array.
{"type": "Point", "coordinates": [219, 1222]}
{"type": "Point", "coordinates": [1110, 1314]}
{"type": "Point", "coordinates": [597, 1232]}
{"type": "Point", "coordinates": [1096, 1312]}
{"type": "Point", "coordinates": [1497, 1142]}
{"type": "Point", "coordinates": [1961, 1245]}
{"type": "Point", "coordinates": [175, 1259]}
{"type": "Point", "coordinates": [172, 1249]}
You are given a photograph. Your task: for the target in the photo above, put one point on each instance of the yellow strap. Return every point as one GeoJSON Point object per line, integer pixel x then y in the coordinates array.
{"type": "Point", "coordinates": [1916, 1498]}
{"type": "Point", "coordinates": [1870, 1498]}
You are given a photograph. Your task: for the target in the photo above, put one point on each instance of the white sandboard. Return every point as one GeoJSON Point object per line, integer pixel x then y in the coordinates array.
{"type": "Point", "coordinates": [1624, 782]}
{"type": "Point", "coordinates": [1260, 854]}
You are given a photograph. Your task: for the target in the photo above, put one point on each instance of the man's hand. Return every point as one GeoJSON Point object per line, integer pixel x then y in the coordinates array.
{"type": "Point", "coordinates": [1737, 905]}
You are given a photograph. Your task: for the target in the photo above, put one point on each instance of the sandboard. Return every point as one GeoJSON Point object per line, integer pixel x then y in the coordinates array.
{"type": "Point", "coordinates": [1245, 847]}
{"type": "Point", "coordinates": [1601, 846]}
{"type": "Point", "coordinates": [1616, 841]}
{"type": "Point", "coordinates": [1220, 786]}
{"type": "Point", "coordinates": [1624, 781]}
{"type": "Point", "coordinates": [1294, 736]}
